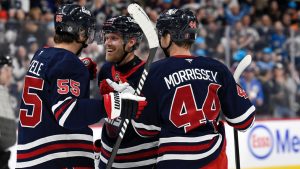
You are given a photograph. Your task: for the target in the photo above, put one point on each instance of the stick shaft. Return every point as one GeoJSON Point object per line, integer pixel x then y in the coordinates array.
{"type": "Point", "coordinates": [124, 122]}
{"type": "Point", "coordinates": [236, 149]}
{"type": "Point", "coordinates": [245, 62]}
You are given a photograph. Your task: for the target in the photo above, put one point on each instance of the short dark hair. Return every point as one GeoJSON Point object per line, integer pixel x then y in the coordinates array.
{"type": "Point", "coordinates": [185, 44]}
{"type": "Point", "coordinates": [64, 38]}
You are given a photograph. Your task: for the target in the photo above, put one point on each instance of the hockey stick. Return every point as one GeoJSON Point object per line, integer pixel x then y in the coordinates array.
{"type": "Point", "coordinates": [146, 25]}
{"type": "Point", "coordinates": [244, 63]}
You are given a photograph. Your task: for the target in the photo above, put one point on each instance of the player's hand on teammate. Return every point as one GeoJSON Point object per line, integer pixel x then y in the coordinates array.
{"type": "Point", "coordinates": [123, 104]}
{"type": "Point", "coordinates": [107, 86]}
{"type": "Point", "coordinates": [91, 66]}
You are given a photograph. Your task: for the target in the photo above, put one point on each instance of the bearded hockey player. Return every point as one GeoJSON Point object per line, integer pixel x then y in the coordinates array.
{"type": "Point", "coordinates": [122, 36]}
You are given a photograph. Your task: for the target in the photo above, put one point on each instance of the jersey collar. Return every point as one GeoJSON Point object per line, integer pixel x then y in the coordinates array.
{"type": "Point", "coordinates": [183, 56]}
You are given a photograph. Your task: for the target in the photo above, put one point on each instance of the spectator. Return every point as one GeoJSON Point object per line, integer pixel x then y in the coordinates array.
{"type": "Point", "coordinates": [266, 60]}
{"type": "Point", "coordinates": [234, 12]}
{"type": "Point", "coordinates": [278, 38]}
{"type": "Point", "coordinates": [32, 46]}
{"type": "Point", "coordinates": [7, 116]}
{"type": "Point", "coordinates": [264, 30]}
{"type": "Point", "coordinates": [252, 86]}
{"type": "Point", "coordinates": [20, 63]}
{"type": "Point", "coordinates": [292, 80]}
{"type": "Point", "coordinates": [265, 78]}
{"type": "Point", "coordinates": [280, 94]}
{"type": "Point", "coordinates": [200, 47]}
{"type": "Point", "coordinates": [274, 11]}
{"type": "Point", "coordinates": [213, 37]}
{"type": "Point", "coordinates": [251, 33]}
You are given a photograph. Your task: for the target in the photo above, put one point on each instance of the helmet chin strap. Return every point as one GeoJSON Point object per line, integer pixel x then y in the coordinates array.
{"type": "Point", "coordinates": [83, 45]}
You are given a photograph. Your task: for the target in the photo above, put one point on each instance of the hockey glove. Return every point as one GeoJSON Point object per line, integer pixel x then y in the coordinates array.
{"type": "Point", "coordinates": [121, 88]}
{"type": "Point", "coordinates": [107, 86]}
{"type": "Point", "coordinates": [91, 66]}
{"type": "Point", "coordinates": [123, 104]}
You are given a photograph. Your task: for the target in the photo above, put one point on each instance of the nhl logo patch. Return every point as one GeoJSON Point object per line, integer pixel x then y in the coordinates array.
{"type": "Point", "coordinates": [86, 62]}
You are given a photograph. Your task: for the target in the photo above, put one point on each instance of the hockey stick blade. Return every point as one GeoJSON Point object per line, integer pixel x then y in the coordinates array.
{"type": "Point", "coordinates": [245, 62]}
{"type": "Point", "coordinates": [142, 19]}
{"type": "Point", "coordinates": [145, 24]}
{"type": "Point", "coordinates": [139, 15]}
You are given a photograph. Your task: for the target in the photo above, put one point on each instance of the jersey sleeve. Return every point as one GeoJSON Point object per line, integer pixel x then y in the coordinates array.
{"type": "Point", "coordinates": [69, 96]}
{"type": "Point", "coordinates": [236, 106]}
{"type": "Point", "coordinates": [147, 124]}
{"type": "Point", "coordinates": [103, 72]}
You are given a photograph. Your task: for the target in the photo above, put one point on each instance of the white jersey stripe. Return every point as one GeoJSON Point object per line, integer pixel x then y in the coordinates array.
{"type": "Point", "coordinates": [54, 107]}
{"type": "Point", "coordinates": [191, 156]}
{"type": "Point", "coordinates": [188, 139]}
{"type": "Point", "coordinates": [242, 117]}
{"type": "Point", "coordinates": [54, 138]}
{"type": "Point", "coordinates": [54, 156]}
{"type": "Point", "coordinates": [63, 119]}
{"type": "Point", "coordinates": [131, 149]}
{"type": "Point", "coordinates": [144, 126]}
{"type": "Point", "coordinates": [130, 164]}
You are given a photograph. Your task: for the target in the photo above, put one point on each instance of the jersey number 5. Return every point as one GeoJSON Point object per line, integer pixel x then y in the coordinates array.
{"type": "Point", "coordinates": [184, 111]}
{"type": "Point", "coordinates": [30, 98]}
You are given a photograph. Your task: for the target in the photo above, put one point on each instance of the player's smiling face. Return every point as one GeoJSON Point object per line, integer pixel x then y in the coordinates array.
{"type": "Point", "coordinates": [113, 47]}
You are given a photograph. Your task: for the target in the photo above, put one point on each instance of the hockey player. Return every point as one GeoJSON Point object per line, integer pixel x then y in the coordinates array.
{"type": "Point", "coordinates": [55, 109]}
{"type": "Point", "coordinates": [185, 95]}
{"type": "Point", "coordinates": [122, 35]}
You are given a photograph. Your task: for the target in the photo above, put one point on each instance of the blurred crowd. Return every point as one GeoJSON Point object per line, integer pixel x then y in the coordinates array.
{"type": "Point", "coordinates": [228, 30]}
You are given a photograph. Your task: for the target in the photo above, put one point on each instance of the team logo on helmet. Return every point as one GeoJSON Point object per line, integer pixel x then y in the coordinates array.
{"type": "Point", "coordinates": [85, 11]}
{"type": "Point", "coordinates": [171, 11]}
{"type": "Point", "coordinates": [58, 18]}
{"type": "Point", "coordinates": [131, 20]}
{"type": "Point", "coordinates": [193, 24]}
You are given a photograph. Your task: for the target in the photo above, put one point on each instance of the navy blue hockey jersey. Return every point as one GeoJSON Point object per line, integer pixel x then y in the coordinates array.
{"type": "Point", "coordinates": [184, 103]}
{"type": "Point", "coordinates": [135, 151]}
{"type": "Point", "coordinates": [55, 113]}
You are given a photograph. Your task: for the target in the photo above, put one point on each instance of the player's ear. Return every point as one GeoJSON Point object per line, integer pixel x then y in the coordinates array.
{"type": "Point", "coordinates": [132, 41]}
{"type": "Point", "coordinates": [165, 40]}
